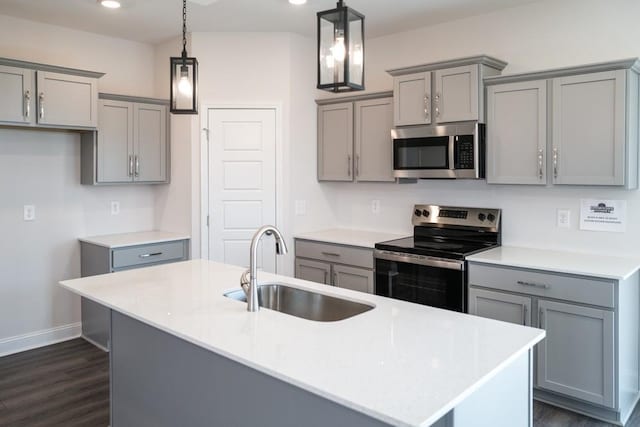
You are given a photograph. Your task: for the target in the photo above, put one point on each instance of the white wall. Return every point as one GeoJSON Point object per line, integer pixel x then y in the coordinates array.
{"type": "Point", "coordinates": [43, 168]}
{"type": "Point", "coordinates": [536, 36]}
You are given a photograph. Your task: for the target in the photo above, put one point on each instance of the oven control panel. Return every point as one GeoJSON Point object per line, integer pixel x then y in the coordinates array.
{"type": "Point", "coordinates": [445, 215]}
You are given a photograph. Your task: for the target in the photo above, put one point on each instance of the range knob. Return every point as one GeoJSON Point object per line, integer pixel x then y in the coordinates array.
{"type": "Point", "coordinates": [418, 212]}
{"type": "Point", "coordinates": [482, 216]}
{"type": "Point", "coordinates": [491, 217]}
{"type": "Point", "coordinates": [425, 213]}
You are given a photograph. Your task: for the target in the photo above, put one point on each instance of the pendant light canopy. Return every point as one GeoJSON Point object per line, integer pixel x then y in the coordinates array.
{"type": "Point", "coordinates": [340, 49]}
{"type": "Point", "coordinates": [184, 76]}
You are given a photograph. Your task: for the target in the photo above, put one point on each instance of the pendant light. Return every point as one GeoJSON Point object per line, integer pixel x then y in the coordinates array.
{"type": "Point", "coordinates": [340, 49]}
{"type": "Point", "coordinates": [184, 76]}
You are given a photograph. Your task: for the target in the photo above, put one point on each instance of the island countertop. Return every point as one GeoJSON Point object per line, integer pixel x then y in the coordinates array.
{"type": "Point", "coordinates": [427, 360]}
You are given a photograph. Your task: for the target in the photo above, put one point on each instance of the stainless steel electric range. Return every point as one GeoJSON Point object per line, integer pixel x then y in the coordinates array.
{"type": "Point", "coordinates": [429, 267]}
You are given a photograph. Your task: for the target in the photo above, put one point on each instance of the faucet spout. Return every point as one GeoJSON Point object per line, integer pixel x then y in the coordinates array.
{"type": "Point", "coordinates": [281, 249]}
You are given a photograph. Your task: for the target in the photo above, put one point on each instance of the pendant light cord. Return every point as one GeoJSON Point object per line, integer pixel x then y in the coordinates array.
{"type": "Point", "coordinates": [184, 28]}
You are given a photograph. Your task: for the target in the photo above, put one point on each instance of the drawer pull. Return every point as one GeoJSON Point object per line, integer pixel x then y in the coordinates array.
{"type": "Point", "coordinates": [150, 255]}
{"type": "Point", "coordinates": [535, 285]}
{"type": "Point", "coordinates": [330, 254]}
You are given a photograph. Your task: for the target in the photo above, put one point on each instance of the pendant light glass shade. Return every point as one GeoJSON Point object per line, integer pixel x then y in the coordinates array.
{"type": "Point", "coordinates": [184, 76]}
{"type": "Point", "coordinates": [340, 49]}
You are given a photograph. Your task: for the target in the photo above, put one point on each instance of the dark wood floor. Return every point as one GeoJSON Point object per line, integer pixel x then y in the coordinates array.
{"type": "Point", "coordinates": [67, 385]}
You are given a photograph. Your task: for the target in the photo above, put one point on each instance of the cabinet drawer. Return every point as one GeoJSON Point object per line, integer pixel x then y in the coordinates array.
{"type": "Point", "coordinates": [533, 282]}
{"type": "Point", "coordinates": [148, 254]}
{"type": "Point", "coordinates": [357, 257]}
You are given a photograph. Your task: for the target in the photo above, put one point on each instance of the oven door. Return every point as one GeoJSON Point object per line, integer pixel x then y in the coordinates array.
{"type": "Point", "coordinates": [441, 285]}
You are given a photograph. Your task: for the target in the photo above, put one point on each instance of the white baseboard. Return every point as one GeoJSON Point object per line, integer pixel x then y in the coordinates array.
{"type": "Point", "coordinates": [37, 339]}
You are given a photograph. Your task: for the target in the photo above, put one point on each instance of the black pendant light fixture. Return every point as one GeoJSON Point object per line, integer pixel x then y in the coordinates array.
{"type": "Point", "coordinates": [184, 76]}
{"type": "Point", "coordinates": [340, 49]}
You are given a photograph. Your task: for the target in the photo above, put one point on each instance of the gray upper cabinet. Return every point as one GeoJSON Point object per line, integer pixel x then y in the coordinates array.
{"type": "Point", "coordinates": [47, 96]}
{"type": "Point", "coordinates": [517, 133]}
{"type": "Point", "coordinates": [373, 122]}
{"type": "Point", "coordinates": [500, 306]}
{"type": "Point", "coordinates": [354, 138]}
{"type": "Point", "coordinates": [577, 356]}
{"type": "Point", "coordinates": [335, 142]}
{"type": "Point", "coordinates": [412, 99]}
{"type": "Point", "coordinates": [131, 144]}
{"type": "Point", "coordinates": [457, 94]}
{"type": "Point", "coordinates": [442, 92]}
{"type": "Point", "coordinates": [17, 86]}
{"type": "Point", "coordinates": [581, 129]}
{"type": "Point", "coordinates": [589, 129]}
{"type": "Point", "coordinates": [67, 100]}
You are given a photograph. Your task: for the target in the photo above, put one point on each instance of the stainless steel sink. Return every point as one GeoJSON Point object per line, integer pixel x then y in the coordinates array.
{"type": "Point", "coordinates": [301, 303]}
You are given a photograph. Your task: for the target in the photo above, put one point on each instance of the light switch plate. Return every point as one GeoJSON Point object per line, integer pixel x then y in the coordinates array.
{"type": "Point", "coordinates": [375, 206]}
{"type": "Point", "coordinates": [29, 212]}
{"type": "Point", "coordinates": [115, 208]}
{"type": "Point", "coordinates": [564, 218]}
{"type": "Point", "coordinates": [301, 207]}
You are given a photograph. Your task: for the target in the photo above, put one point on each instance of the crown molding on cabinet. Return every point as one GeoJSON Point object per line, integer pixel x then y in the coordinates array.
{"type": "Point", "coordinates": [489, 61]}
{"type": "Point", "coordinates": [51, 68]}
{"type": "Point", "coordinates": [128, 98]}
{"type": "Point", "coordinates": [354, 98]}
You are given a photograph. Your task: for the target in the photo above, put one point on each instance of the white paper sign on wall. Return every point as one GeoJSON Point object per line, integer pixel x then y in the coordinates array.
{"type": "Point", "coordinates": [603, 215]}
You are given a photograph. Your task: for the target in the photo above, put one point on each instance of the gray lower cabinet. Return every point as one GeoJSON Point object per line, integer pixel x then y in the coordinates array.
{"type": "Point", "coordinates": [96, 259]}
{"type": "Point", "coordinates": [589, 359]}
{"type": "Point", "coordinates": [342, 266]}
{"type": "Point", "coordinates": [131, 144]}
{"type": "Point", "coordinates": [354, 138]}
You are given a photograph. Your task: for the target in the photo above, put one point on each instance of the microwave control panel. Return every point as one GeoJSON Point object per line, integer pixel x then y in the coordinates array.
{"type": "Point", "coordinates": [464, 157]}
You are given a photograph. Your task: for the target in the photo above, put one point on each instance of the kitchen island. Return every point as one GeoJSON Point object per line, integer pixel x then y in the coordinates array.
{"type": "Point", "coordinates": [184, 354]}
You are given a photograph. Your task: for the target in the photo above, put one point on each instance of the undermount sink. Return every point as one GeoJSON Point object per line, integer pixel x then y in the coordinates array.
{"type": "Point", "coordinates": [301, 303]}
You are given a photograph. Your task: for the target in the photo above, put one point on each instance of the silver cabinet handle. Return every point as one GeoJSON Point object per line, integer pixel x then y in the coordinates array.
{"type": "Point", "coordinates": [426, 106]}
{"type": "Point", "coordinates": [540, 163]}
{"type": "Point", "coordinates": [330, 254]}
{"type": "Point", "coordinates": [438, 105]}
{"type": "Point", "coordinates": [349, 165]}
{"type": "Point", "coordinates": [27, 102]}
{"type": "Point", "coordinates": [41, 104]}
{"type": "Point", "coordinates": [555, 162]}
{"type": "Point", "coordinates": [137, 168]}
{"type": "Point", "coordinates": [357, 165]}
{"type": "Point", "coordinates": [335, 279]}
{"type": "Point", "coordinates": [130, 165]}
{"type": "Point", "coordinates": [150, 255]}
{"type": "Point", "coordinates": [524, 315]}
{"type": "Point", "coordinates": [535, 285]}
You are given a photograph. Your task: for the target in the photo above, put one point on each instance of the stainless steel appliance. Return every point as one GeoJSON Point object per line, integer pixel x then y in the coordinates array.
{"type": "Point", "coordinates": [451, 151]}
{"type": "Point", "coordinates": [429, 267]}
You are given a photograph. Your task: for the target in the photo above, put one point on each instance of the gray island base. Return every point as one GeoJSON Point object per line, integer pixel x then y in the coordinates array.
{"type": "Point", "coordinates": [160, 380]}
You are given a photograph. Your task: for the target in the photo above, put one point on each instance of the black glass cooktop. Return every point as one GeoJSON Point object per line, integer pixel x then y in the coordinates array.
{"type": "Point", "coordinates": [441, 248]}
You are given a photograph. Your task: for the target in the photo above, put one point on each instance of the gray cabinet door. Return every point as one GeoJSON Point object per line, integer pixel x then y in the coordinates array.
{"type": "Point", "coordinates": [517, 133]}
{"type": "Point", "coordinates": [457, 94]}
{"type": "Point", "coordinates": [357, 279]}
{"type": "Point", "coordinates": [17, 105]}
{"type": "Point", "coordinates": [589, 129]}
{"type": "Point", "coordinates": [66, 100]}
{"type": "Point", "coordinates": [373, 123]}
{"type": "Point", "coordinates": [335, 142]}
{"type": "Point", "coordinates": [577, 356]}
{"type": "Point", "coordinates": [412, 99]}
{"type": "Point", "coordinates": [500, 306]}
{"type": "Point", "coordinates": [313, 271]}
{"type": "Point", "coordinates": [150, 142]}
{"type": "Point", "coordinates": [115, 142]}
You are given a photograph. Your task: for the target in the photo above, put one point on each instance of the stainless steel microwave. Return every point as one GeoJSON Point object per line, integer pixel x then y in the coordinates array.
{"type": "Point", "coordinates": [449, 151]}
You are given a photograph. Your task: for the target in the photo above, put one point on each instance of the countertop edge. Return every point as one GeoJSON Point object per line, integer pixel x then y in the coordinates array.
{"type": "Point", "coordinates": [97, 242]}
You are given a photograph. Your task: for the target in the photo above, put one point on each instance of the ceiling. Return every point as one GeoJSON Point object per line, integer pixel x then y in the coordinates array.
{"type": "Point", "coordinates": [154, 21]}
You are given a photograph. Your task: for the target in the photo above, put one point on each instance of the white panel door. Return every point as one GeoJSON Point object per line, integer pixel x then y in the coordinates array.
{"type": "Point", "coordinates": [242, 184]}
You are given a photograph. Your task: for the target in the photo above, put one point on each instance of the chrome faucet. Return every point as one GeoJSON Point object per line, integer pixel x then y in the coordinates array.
{"type": "Point", "coordinates": [251, 290]}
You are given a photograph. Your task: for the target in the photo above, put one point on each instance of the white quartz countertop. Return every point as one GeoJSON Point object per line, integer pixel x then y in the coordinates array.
{"type": "Point", "coordinates": [351, 237]}
{"type": "Point", "coordinates": [402, 363]}
{"type": "Point", "coordinates": [604, 266]}
{"type": "Point", "coordinates": [133, 239]}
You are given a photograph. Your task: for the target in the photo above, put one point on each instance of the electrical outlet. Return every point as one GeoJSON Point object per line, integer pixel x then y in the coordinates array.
{"type": "Point", "coordinates": [29, 212]}
{"type": "Point", "coordinates": [115, 208]}
{"type": "Point", "coordinates": [375, 206]}
{"type": "Point", "coordinates": [564, 218]}
{"type": "Point", "coordinates": [301, 207]}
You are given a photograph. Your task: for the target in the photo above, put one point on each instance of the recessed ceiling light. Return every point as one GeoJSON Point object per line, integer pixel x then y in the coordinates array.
{"type": "Point", "coordinates": [111, 4]}
{"type": "Point", "coordinates": [297, 1]}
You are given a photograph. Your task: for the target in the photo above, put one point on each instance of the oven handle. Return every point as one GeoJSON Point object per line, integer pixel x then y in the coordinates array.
{"type": "Point", "coordinates": [421, 260]}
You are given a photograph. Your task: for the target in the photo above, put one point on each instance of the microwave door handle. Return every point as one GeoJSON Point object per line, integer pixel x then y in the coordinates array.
{"type": "Point", "coordinates": [452, 148]}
